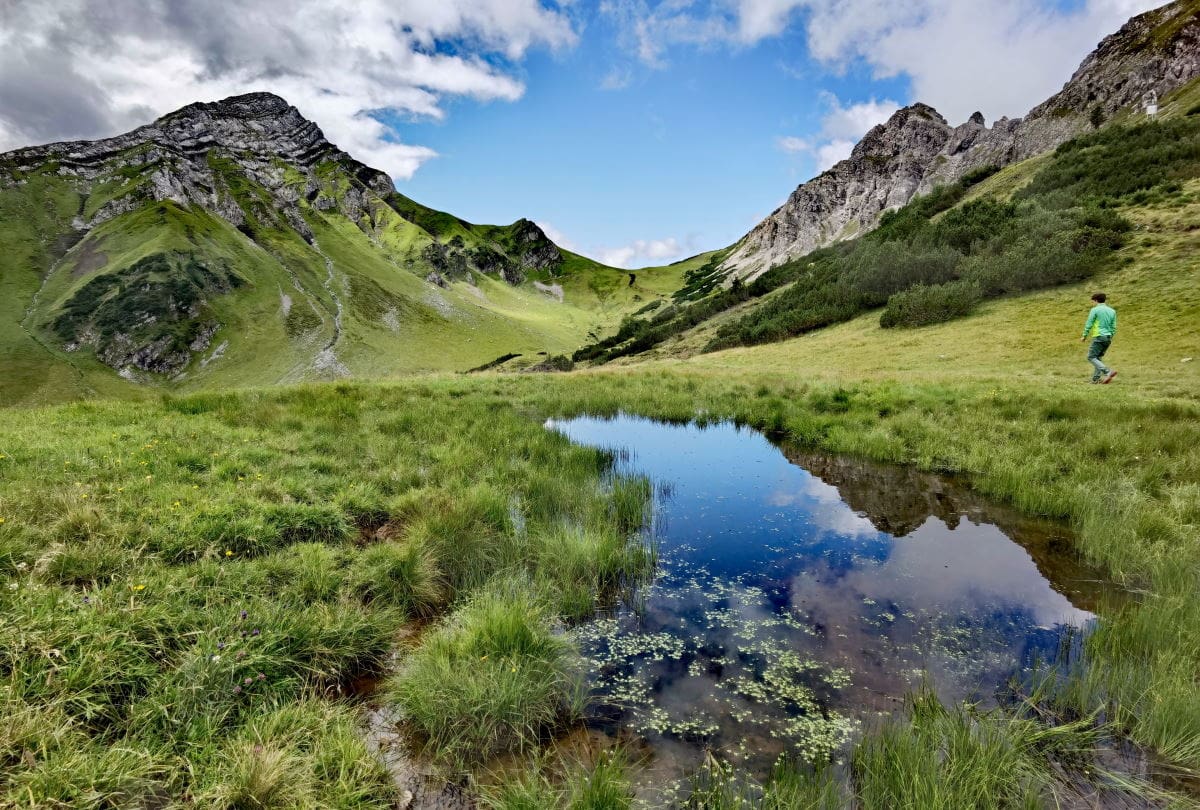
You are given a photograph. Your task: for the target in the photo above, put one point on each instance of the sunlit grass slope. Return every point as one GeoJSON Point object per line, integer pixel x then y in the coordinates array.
{"type": "Point", "coordinates": [1030, 339]}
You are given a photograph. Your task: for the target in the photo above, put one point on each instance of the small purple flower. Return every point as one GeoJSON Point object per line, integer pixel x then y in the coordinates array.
{"type": "Point", "coordinates": [237, 690]}
{"type": "Point", "coordinates": [248, 681]}
{"type": "Point", "coordinates": [242, 615]}
{"type": "Point", "coordinates": [255, 632]}
{"type": "Point", "coordinates": [220, 645]}
{"type": "Point", "coordinates": [258, 749]}
{"type": "Point", "coordinates": [262, 677]}
{"type": "Point", "coordinates": [87, 601]}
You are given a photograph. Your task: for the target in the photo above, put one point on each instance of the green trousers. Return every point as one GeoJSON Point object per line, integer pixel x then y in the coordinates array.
{"type": "Point", "coordinates": [1099, 346]}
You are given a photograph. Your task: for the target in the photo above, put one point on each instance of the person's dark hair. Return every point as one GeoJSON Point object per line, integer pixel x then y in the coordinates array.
{"type": "Point", "coordinates": [1100, 298]}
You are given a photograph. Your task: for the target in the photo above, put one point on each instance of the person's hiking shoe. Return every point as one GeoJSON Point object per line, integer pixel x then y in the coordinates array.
{"type": "Point", "coordinates": [1109, 377]}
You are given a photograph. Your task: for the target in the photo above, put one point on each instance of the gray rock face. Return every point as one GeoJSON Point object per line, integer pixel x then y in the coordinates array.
{"type": "Point", "coordinates": [183, 155]}
{"type": "Point", "coordinates": [917, 149]}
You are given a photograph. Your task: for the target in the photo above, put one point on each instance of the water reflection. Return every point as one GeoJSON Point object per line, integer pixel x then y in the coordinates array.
{"type": "Point", "coordinates": [800, 594]}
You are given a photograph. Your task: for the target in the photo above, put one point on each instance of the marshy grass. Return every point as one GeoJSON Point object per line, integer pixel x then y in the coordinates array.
{"type": "Point", "coordinates": [175, 574]}
{"type": "Point", "coordinates": [134, 535]}
{"type": "Point", "coordinates": [790, 786]}
{"type": "Point", "coordinates": [604, 785]}
{"type": "Point", "coordinates": [494, 678]}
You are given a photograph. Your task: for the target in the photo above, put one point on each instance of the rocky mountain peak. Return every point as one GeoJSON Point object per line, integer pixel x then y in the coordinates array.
{"type": "Point", "coordinates": [917, 150]}
{"type": "Point", "coordinates": [260, 122]}
{"type": "Point", "coordinates": [190, 157]}
{"type": "Point", "coordinates": [915, 127]}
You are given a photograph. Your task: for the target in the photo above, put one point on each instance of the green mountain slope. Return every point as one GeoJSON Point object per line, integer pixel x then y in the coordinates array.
{"type": "Point", "coordinates": [231, 244]}
{"type": "Point", "coordinates": [1052, 220]}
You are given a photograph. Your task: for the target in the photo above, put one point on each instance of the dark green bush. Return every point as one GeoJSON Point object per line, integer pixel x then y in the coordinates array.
{"type": "Point", "coordinates": [1117, 162]}
{"type": "Point", "coordinates": [923, 305]}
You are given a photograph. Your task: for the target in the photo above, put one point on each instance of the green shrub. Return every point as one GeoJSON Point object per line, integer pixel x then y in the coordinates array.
{"type": "Point", "coordinates": [923, 305]}
{"type": "Point", "coordinates": [1118, 162]}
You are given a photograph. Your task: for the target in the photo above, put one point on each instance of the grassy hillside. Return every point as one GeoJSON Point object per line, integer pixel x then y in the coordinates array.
{"type": "Point", "coordinates": [1050, 221]}
{"type": "Point", "coordinates": [261, 304]}
{"type": "Point", "coordinates": [1033, 338]}
{"type": "Point", "coordinates": [200, 586]}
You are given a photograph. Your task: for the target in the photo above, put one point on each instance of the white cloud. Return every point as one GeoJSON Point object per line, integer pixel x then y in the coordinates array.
{"type": "Point", "coordinates": [642, 251]}
{"type": "Point", "coordinates": [639, 252]}
{"type": "Point", "coordinates": [962, 56]}
{"type": "Point", "coordinates": [841, 128]}
{"type": "Point", "coordinates": [792, 144]}
{"type": "Point", "coordinates": [648, 29]}
{"type": "Point", "coordinates": [89, 68]}
{"type": "Point", "coordinates": [1001, 58]}
{"type": "Point", "coordinates": [831, 153]}
{"type": "Point", "coordinates": [558, 237]}
{"type": "Point", "coordinates": [852, 122]}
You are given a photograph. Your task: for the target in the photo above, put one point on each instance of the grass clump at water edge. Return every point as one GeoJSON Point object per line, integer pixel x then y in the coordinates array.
{"type": "Point", "coordinates": [494, 678]}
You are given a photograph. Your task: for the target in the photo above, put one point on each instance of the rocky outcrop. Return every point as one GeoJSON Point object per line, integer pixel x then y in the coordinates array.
{"type": "Point", "coordinates": [916, 149]}
{"type": "Point", "coordinates": [533, 249]}
{"type": "Point", "coordinates": [188, 157]}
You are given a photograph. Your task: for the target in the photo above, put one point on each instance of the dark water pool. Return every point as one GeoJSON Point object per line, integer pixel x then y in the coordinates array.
{"type": "Point", "coordinates": [800, 595]}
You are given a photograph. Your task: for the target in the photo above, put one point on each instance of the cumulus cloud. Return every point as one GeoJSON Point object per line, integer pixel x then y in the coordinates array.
{"type": "Point", "coordinates": [841, 127]}
{"type": "Point", "coordinates": [89, 68]}
{"type": "Point", "coordinates": [642, 252]}
{"type": "Point", "coordinates": [1001, 58]}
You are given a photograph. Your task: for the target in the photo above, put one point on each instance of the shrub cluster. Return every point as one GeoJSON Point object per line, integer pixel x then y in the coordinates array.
{"type": "Point", "coordinates": [1061, 228]}
{"type": "Point", "coordinates": [927, 304]}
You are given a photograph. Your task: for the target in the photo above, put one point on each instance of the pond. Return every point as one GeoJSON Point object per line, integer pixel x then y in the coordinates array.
{"type": "Point", "coordinates": [801, 595]}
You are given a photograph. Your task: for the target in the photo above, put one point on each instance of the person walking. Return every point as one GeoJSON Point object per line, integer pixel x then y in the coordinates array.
{"type": "Point", "coordinates": [1101, 327]}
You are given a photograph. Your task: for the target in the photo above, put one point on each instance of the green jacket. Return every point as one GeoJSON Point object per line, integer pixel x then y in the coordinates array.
{"type": "Point", "coordinates": [1101, 322]}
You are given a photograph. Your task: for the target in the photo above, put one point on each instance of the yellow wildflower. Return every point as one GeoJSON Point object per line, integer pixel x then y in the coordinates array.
{"type": "Point", "coordinates": [138, 587]}
{"type": "Point", "coordinates": [1, 520]}
{"type": "Point", "coordinates": [228, 552]}
{"type": "Point", "coordinates": [148, 477]}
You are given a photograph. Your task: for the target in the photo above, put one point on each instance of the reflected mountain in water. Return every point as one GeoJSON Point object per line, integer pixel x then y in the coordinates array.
{"type": "Point", "coordinates": [800, 595]}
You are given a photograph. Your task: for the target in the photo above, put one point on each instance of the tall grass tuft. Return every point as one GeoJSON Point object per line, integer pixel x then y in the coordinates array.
{"type": "Point", "coordinates": [494, 678]}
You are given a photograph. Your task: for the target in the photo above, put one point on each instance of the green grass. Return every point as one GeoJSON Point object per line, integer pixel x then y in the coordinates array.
{"type": "Point", "coordinates": [605, 785]}
{"type": "Point", "coordinates": [494, 679]}
{"type": "Point", "coordinates": [434, 472]}
{"type": "Point", "coordinates": [179, 572]}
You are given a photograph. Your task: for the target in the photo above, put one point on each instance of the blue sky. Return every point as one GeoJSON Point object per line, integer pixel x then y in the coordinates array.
{"type": "Point", "coordinates": [639, 153]}
{"type": "Point", "coordinates": [635, 131]}
{"type": "Point", "coordinates": [688, 151]}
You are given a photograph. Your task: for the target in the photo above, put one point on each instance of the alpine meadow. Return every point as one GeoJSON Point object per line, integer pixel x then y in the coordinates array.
{"type": "Point", "coordinates": [313, 495]}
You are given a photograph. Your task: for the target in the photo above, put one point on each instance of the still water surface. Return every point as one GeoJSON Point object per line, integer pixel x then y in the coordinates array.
{"type": "Point", "coordinates": [800, 595]}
